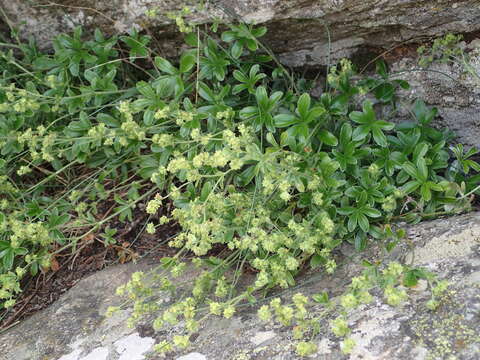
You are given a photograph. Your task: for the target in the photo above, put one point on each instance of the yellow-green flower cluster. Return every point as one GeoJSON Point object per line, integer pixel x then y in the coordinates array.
{"type": "Point", "coordinates": [163, 140]}
{"type": "Point", "coordinates": [300, 301]}
{"type": "Point", "coordinates": [26, 235]}
{"type": "Point", "coordinates": [394, 295]}
{"type": "Point", "coordinates": [181, 341]}
{"type": "Point", "coordinates": [202, 284]}
{"type": "Point", "coordinates": [264, 313]}
{"type": "Point", "coordinates": [339, 326]}
{"type": "Point", "coordinates": [154, 204]}
{"type": "Point", "coordinates": [150, 229]}
{"type": "Point", "coordinates": [186, 309]}
{"type": "Point", "coordinates": [284, 314]}
{"type": "Point", "coordinates": [347, 345]}
{"type": "Point", "coordinates": [305, 348]}
{"type": "Point", "coordinates": [40, 145]}
{"type": "Point", "coordinates": [23, 170]}
{"type": "Point", "coordinates": [440, 287]}
{"type": "Point", "coordinates": [389, 203]}
{"type": "Point", "coordinates": [216, 308]}
{"type": "Point", "coordinates": [337, 73]}
{"type": "Point", "coordinates": [183, 117]}
{"type": "Point", "coordinates": [180, 21]}
{"type": "Point", "coordinates": [6, 186]}
{"type": "Point", "coordinates": [100, 134]}
{"type": "Point", "coordinates": [228, 311]}
{"type": "Point", "coordinates": [9, 287]}
{"type": "Point", "coordinates": [135, 288]}
{"type": "Point", "coordinates": [19, 100]}
{"type": "Point", "coordinates": [132, 130]}
{"type": "Point", "coordinates": [162, 113]}
{"type": "Point", "coordinates": [394, 270]}
{"type": "Point", "coordinates": [222, 288]}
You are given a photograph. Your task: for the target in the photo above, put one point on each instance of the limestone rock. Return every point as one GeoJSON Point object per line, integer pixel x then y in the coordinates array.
{"type": "Point", "coordinates": [302, 32]}
{"type": "Point", "coordinates": [450, 88]}
{"type": "Point", "coordinates": [74, 327]}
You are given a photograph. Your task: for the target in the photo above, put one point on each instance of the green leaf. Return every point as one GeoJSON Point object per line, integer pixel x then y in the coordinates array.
{"type": "Point", "coordinates": [346, 210]}
{"type": "Point", "coordinates": [55, 221]}
{"type": "Point", "coordinates": [239, 88]}
{"type": "Point", "coordinates": [382, 68]}
{"type": "Point", "coordinates": [148, 117]}
{"type": "Point", "coordinates": [146, 90]}
{"type": "Point", "coordinates": [229, 36]}
{"type": "Point", "coordinates": [425, 192]}
{"type": "Point", "coordinates": [314, 114]}
{"type": "Point", "coordinates": [44, 63]}
{"type": "Point", "coordinates": [191, 39]}
{"type": "Point", "coordinates": [410, 169]}
{"type": "Point", "coordinates": [8, 256]}
{"type": "Point", "coordinates": [187, 62]}
{"type": "Point", "coordinates": [284, 120]}
{"type": "Point", "coordinates": [262, 97]}
{"type": "Point", "coordinates": [385, 92]}
{"type": "Point", "coordinates": [205, 92]}
{"type": "Point", "coordinates": [206, 190]}
{"type": "Point", "coordinates": [259, 32]}
{"type": "Point", "coordinates": [403, 84]}
{"type": "Point", "coordinates": [365, 117]}
{"type": "Point", "coordinates": [252, 44]}
{"type": "Point", "coordinates": [360, 241]}
{"type": "Point", "coordinates": [410, 186]}
{"type": "Point", "coordinates": [391, 245]}
{"type": "Point", "coordinates": [379, 137]}
{"type": "Point", "coordinates": [165, 66]}
{"type": "Point", "coordinates": [410, 278]}
{"type": "Point", "coordinates": [247, 175]}
{"type": "Point", "coordinates": [238, 75]}
{"type": "Point", "coordinates": [371, 212]}
{"type": "Point", "coordinates": [422, 169]}
{"type": "Point", "coordinates": [271, 139]}
{"type": "Point", "coordinates": [236, 50]}
{"type": "Point", "coordinates": [327, 137]}
{"type": "Point", "coordinates": [420, 150]}
{"type": "Point", "coordinates": [74, 68]}
{"type": "Point", "coordinates": [363, 222]}
{"type": "Point", "coordinates": [303, 105]}
{"type": "Point", "coordinates": [345, 133]}
{"type": "Point", "coordinates": [360, 132]}
{"type": "Point", "coordinates": [254, 70]}
{"type": "Point", "coordinates": [275, 97]}
{"type": "Point", "coordinates": [352, 222]}
{"type": "Point", "coordinates": [316, 261]}
{"type": "Point", "coordinates": [321, 298]}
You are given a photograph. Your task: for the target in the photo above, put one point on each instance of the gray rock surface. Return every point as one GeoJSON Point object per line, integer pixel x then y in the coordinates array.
{"type": "Point", "coordinates": [450, 88]}
{"type": "Point", "coordinates": [74, 327]}
{"type": "Point", "coordinates": [302, 32]}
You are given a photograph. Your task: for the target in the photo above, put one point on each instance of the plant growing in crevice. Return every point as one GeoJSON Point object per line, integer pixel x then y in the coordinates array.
{"type": "Point", "coordinates": [272, 177]}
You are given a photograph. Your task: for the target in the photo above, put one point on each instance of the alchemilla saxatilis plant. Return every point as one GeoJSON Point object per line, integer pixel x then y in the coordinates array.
{"type": "Point", "coordinates": [226, 143]}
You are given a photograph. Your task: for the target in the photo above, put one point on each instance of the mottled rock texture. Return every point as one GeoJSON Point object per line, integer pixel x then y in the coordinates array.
{"type": "Point", "coordinates": [302, 32]}
{"type": "Point", "coordinates": [450, 88]}
{"type": "Point", "coordinates": [74, 329]}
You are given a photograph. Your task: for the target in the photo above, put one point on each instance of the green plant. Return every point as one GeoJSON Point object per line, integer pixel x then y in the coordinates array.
{"type": "Point", "coordinates": [332, 314]}
{"type": "Point", "coordinates": [449, 49]}
{"type": "Point", "coordinates": [273, 177]}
